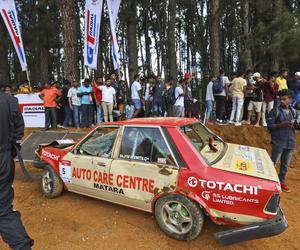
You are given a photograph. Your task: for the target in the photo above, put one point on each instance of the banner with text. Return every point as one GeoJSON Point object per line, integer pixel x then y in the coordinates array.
{"type": "Point", "coordinates": [113, 9]}
{"type": "Point", "coordinates": [93, 13]}
{"type": "Point", "coordinates": [9, 15]}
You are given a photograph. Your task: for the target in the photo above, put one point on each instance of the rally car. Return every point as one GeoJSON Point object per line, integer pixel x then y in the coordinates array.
{"type": "Point", "coordinates": [175, 168]}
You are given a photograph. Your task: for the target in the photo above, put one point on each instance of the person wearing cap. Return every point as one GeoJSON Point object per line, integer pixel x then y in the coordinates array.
{"type": "Point", "coordinates": [281, 79]}
{"type": "Point", "coordinates": [256, 99]}
{"type": "Point", "coordinates": [50, 95]}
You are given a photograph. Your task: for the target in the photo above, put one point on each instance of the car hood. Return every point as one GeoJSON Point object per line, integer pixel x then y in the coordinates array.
{"type": "Point", "coordinates": [248, 161]}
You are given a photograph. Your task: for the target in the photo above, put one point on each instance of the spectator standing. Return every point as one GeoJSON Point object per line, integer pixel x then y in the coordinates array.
{"type": "Point", "coordinates": [158, 97]}
{"type": "Point", "coordinates": [86, 94]}
{"type": "Point", "coordinates": [238, 89]}
{"type": "Point", "coordinates": [188, 98]}
{"type": "Point", "coordinates": [75, 103]}
{"type": "Point", "coordinates": [64, 102]}
{"type": "Point", "coordinates": [122, 96]}
{"type": "Point", "coordinates": [24, 88]}
{"type": "Point", "coordinates": [270, 92]}
{"type": "Point", "coordinates": [256, 99]}
{"type": "Point", "coordinates": [248, 93]}
{"type": "Point", "coordinates": [136, 95]}
{"type": "Point", "coordinates": [209, 99]}
{"type": "Point", "coordinates": [113, 82]}
{"type": "Point", "coordinates": [109, 100]}
{"type": "Point", "coordinates": [281, 79]}
{"type": "Point", "coordinates": [50, 95]}
{"type": "Point", "coordinates": [98, 97]}
{"type": "Point", "coordinates": [220, 98]}
{"type": "Point", "coordinates": [179, 96]}
{"type": "Point", "coordinates": [149, 96]}
{"type": "Point", "coordinates": [294, 84]}
{"type": "Point", "coordinates": [169, 97]}
{"type": "Point", "coordinates": [281, 124]}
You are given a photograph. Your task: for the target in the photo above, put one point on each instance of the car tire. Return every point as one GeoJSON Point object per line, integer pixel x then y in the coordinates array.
{"type": "Point", "coordinates": [52, 184]}
{"type": "Point", "coordinates": [179, 217]}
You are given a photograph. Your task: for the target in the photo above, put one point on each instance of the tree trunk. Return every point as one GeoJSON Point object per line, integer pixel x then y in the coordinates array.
{"type": "Point", "coordinates": [171, 40]}
{"type": "Point", "coordinates": [214, 31]}
{"type": "Point", "coordinates": [4, 66]}
{"type": "Point", "coordinates": [132, 39]}
{"type": "Point", "coordinates": [245, 56]}
{"type": "Point", "coordinates": [69, 31]}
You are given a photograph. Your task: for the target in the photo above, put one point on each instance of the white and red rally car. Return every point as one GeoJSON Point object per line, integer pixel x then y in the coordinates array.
{"type": "Point", "coordinates": [174, 168]}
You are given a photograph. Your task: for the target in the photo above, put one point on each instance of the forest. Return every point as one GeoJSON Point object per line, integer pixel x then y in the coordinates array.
{"type": "Point", "coordinates": [167, 38]}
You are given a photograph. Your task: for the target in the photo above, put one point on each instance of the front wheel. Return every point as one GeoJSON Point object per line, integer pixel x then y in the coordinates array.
{"type": "Point", "coordinates": [52, 185]}
{"type": "Point", "coordinates": [179, 217]}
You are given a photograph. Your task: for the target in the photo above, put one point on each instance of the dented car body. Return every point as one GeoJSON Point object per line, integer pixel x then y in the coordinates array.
{"type": "Point", "coordinates": [175, 168]}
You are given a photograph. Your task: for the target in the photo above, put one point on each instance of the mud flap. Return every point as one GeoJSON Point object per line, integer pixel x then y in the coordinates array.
{"type": "Point", "coordinates": [268, 228]}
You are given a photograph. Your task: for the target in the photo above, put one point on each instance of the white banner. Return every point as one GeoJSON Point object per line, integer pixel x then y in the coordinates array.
{"type": "Point", "coordinates": [33, 111]}
{"type": "Point", "coordinates": [10, 17]}
{"type": "Point", "coordinates": [113, 9]}
{"type": "Point", "coordinates": [93, 13]}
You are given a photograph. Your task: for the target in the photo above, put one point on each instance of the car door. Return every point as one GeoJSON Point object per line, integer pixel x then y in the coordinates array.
{"type": "Point", "coordinates": [89, 163]}
{"type": "Point", "coordinates": [144, 166]}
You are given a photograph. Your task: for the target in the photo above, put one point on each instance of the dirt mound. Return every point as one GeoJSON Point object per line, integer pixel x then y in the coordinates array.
{"type": "Point", "coordinates": [76, 222]}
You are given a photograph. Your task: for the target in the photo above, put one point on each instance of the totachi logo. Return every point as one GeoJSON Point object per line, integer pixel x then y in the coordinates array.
{"type": "Point", "coordinates": [91, 36]}
{"type": "Point", "coordinates": [192, 181]}
{"type": "Point", "coordinates": [50, 155]}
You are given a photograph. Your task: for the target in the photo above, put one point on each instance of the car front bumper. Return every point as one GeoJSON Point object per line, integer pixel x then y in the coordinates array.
{"type": "Point", "coordinates": [253, 231]}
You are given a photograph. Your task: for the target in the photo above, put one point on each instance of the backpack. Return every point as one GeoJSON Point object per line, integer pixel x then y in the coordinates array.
{"type": "Point", "coordinates": [218, 85]}
{"type": "Point", "coordinates": [170, 97]}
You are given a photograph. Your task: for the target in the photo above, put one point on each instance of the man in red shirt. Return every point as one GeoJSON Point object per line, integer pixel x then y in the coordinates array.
{"type": "Point", "coordinates": [50, 95]}
{"type": "Point", "coordinates": [98, 95]}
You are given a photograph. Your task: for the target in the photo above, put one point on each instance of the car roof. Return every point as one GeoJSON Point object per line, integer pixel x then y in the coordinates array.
{"type": "Point", "coordinates": [157, 121]}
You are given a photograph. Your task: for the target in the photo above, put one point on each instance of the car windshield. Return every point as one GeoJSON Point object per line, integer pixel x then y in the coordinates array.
{"type": "Point", "coordinates": [209, 145]}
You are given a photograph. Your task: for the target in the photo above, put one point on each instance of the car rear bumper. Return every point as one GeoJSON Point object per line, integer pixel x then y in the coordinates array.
{"type": "Point", "coordinates": [253, 231]}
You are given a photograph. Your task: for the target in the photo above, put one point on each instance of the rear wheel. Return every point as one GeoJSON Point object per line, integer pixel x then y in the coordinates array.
{"type": "Point", "coordinates": [179, 217]}
{"type": "Point", "coordinates": [52, 185]}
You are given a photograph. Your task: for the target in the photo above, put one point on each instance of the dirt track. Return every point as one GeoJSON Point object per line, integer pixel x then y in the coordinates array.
{"type": "Point", "coordinates": [77, 222]}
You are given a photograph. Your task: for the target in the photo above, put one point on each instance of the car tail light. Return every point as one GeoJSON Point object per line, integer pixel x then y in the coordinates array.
{"type": "Point", "coordinates": [272, 204]}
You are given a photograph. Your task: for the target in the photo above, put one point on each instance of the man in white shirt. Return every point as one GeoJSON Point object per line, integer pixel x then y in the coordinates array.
{"type": "Point", "coordinates": [136, 95]}
{"type": "Point", "coordinates": [179, 104]}
{"type": "Point", "coordinates": [75, 103]}
{"type": "Point", "coordinates": [109, 100]}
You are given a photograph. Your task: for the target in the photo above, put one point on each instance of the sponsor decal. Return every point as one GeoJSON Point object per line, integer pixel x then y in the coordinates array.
{"type": "Point", "coordinates": [162, 160]}
{"type": "Point", "coordinates": [138, 158]}
{"type": "Point", "coordinates": [223, 186]}
{"type": "Point", "coordinates": [259, 163]}
{"type": "Point", "coordinates": [226, 199]}
{"type": "Point", "coordinates": [50, 155]}
{"type": "Point", "coordinates": [205, 195]}
{"type": "Point", "coordinates": [91, 35]}
{"type": "Point", "coordinates": [243, 165]}
{"type": "Point", "coordinates": [65, 171]}
{"type": "Point", "coordinates": [119, 181]}
{"type": "Point", "coordinates": [34, 109]}
{"type": "Point", "coordinates": [108, 188]}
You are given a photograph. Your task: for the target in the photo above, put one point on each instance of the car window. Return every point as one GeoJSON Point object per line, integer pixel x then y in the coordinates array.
{"type": "Point", "coordinates": [145, 144]}
{"type": "Point", "coordinates": [100, 143]}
